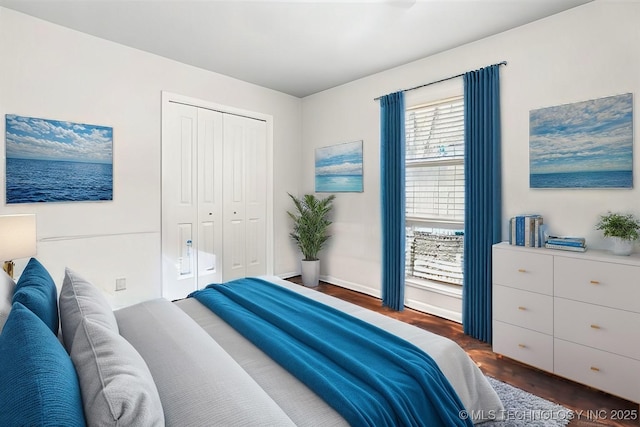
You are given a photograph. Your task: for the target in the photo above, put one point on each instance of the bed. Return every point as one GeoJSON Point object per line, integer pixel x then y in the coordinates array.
{"type": "Point", "coordinates": [178, 363]}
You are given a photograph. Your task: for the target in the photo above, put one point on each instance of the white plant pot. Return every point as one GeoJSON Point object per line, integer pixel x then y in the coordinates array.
{"type": "Point", "coordinates": [621, 246]}
{"type": "Point", "coordinates": [310, 273]}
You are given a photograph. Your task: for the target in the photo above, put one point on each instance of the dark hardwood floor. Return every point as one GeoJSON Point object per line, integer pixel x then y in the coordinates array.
{"type": "Point", "coordinates": [591, 407]}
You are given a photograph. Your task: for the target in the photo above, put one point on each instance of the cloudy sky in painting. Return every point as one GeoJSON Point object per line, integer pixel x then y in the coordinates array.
{"type": "Point", "coordinates": [42, 139]}
{"type": "Point", "coordinates": [341, 159]}
{"type": "Point", "coordinates": [595, 135]}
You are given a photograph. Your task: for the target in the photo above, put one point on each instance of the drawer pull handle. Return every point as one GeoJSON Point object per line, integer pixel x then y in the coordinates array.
{"type": "Point", "coordinates": [522, 270]}
{"type": "Point", "coordinates": [522, 308]}
{"type": "Point", "coordinates": [594, 369]}
{"type": "Point", "coordinates": [594, 282]}
{"type": "Point", "coordinates": [522, 346]}
{"type": "Point", "coordinates": [595, 327]}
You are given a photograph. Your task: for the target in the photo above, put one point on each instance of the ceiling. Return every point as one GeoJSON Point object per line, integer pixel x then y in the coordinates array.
{"type": "Point", "coordinates": [296, 47]}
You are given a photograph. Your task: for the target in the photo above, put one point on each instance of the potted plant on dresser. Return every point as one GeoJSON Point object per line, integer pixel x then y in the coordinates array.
{"type": "Point", "coordinates": [622, 228]}
{"type": "Point", "coordinates": [310, 226]}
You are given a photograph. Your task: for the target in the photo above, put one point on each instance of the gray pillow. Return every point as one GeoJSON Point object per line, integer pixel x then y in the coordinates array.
{"type": "Point", "coordinates": [116, 385]}
{"type": "Point", "coordinates": [78, 299]}
{"type": "Point", "coordinates": [7, 285]}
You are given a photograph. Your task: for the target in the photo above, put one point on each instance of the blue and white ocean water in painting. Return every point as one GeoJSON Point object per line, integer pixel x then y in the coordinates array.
{"type": "Point", "coordinates": [55, 161]}
{"type": "Point", "coordinates": [338, 183]}
{"type": "Point", "coordinates": [339, 168]}
{"type": "Point", "coordinates": [596, 179]}
{"type": "Point", "coordinates": [40, 181]}
{"type": "Point", "coordinates": [583, 145]}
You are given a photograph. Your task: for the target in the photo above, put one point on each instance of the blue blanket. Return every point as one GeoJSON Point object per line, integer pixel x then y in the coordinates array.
{"type": "Point", "coordinates": [369, 376]}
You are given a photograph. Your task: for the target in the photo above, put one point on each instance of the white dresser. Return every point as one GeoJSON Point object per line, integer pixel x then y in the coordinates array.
{"type": "Point", "coordinates": [574, 314]}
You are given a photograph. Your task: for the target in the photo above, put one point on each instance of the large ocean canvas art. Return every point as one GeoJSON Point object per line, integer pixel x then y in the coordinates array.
{"type": "Point", "coordinates": [587, 144]}
{"type": "Point", "coordinates": [339, 168]}
{"type": "Point", "coordinates": [57, 161]}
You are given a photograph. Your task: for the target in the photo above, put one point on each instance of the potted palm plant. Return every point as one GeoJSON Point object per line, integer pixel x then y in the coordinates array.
{"type": "Point", "coordinates": [310, 225]}
{"type": "Point", "coordinates": [622, 228]}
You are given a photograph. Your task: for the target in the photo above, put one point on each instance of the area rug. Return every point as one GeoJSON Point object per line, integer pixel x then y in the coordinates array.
{"type": "Point", "coordinates": [523, 409]}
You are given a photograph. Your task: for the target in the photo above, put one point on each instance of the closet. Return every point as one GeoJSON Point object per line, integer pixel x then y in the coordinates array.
{"type": "Point", "coordinates": [214, 197]}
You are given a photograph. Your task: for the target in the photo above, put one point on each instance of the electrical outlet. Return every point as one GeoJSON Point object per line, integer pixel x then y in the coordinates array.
{"type": "Point", "coordinates": [121, 284]}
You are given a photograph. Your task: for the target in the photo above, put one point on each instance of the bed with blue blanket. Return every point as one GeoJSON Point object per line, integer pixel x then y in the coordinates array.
{"type": "Point", "coordinates": [254, 352]}
{"type": "Point", "coordinates": [325, 361]}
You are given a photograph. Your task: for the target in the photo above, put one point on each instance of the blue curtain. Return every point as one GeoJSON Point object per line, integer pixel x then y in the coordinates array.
{"type": "Point", "coordinates": [483, 200]}
{"type": "Point", "coordinates": [392, 130]}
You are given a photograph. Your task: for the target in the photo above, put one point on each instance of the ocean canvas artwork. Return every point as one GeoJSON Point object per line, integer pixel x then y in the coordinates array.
{"type": "Point", "coordinates": [586, 144]}
{"type": "Point", "coordinates": [57, 161]}
{"type": "Point", "coordinates": [339, 168]}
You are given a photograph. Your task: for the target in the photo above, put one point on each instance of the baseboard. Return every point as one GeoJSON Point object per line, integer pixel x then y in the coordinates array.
{"type": "Point", "coordinates": [289, 275]}
{"type": "Point", "coordinates": [352, 286]}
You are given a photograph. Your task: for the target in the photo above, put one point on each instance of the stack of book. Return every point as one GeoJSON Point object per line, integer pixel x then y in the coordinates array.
{"type": "Point", "coordinates": [527, 230]}
{"type": "Point", "coordinates": [576, 244]}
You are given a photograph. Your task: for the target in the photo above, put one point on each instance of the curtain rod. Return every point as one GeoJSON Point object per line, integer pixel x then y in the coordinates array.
{"type": "Point", "coordinates": [438, 81]}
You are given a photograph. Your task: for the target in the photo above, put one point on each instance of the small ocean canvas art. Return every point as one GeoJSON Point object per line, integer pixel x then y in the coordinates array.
{"type": "Point", "coordinates": [587, 144]}
{"type": "Point", "coordinates": [57, 161]}
{"type": "Point", "coordinates": [339, 168]}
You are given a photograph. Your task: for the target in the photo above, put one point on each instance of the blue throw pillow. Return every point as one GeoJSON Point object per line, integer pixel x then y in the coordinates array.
{"type": "Point", "coordinates": [38, 383]}
{"type": "Point", "coordinates": [37, 291]}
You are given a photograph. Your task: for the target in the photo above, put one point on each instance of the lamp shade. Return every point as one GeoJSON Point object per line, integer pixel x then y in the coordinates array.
{"type": "Point", "coordinates": [17, 236]}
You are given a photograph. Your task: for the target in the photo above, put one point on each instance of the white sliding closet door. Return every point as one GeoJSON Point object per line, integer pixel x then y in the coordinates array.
{"type": "Point", "coordinates": [214, 185]}
{"type": "Point", "coordinates": [209, 242]}
{"type": "Point", "coordinates": [191, 199]}
{"type": "Point", "coordinates": [245, 190]}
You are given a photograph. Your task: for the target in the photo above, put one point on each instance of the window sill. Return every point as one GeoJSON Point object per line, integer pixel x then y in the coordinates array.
{"type": "Point", "coordinates": [454, 291]}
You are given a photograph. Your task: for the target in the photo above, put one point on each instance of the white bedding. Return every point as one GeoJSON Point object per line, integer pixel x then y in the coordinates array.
{"type": "Point", "coordinates": [301, 404]}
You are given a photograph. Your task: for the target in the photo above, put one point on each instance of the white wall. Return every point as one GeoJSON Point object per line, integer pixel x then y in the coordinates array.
{"type": "Point", "coordinates": [588, 52]}
{"type": "Point", "coordinates": [51, 72]}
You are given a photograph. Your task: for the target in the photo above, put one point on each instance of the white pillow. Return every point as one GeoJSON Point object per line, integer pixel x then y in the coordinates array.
{"type": "Point", "coordinates": [7, 285]}
{"type": "Point", "coordinates": [78, 299]}
{"type": "Point", "coordinates": [116, 385]}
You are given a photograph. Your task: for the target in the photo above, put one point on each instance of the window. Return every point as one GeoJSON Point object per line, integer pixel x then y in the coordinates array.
{"type": "Point", "coordinates": [435, 191]}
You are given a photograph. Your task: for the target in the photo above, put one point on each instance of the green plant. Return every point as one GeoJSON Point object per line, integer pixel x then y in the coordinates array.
{"type": "Point", "coordinates": [619, 225]}
{"type": "Point", "coordinates": [310, 224]}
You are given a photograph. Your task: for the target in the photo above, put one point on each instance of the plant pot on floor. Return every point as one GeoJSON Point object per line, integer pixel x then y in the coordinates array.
{"type": "Point", "coordinates": [310, 225]}
{"type": "Point", "coordinates": [310, 273]}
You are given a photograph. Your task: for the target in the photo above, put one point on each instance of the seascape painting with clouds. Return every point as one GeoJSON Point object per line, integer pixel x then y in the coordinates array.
{"type": "Point", "coordinates": [583, 145]}
{"type": "Point", "coordinates": [57, 161]}
{"type": "Point", "coordinates": [339, 168]}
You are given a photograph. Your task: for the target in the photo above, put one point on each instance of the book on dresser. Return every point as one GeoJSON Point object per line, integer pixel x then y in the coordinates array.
{"type": "Point", "coordinates": [565, 247]}
{"type": "Point", "coordinates": [575, 244]}
{"type": "Point", "coordinates": [526, 230]}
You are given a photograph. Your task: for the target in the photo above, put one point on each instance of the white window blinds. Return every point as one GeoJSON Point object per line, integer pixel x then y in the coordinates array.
{"type": "Point", "coordinates": [435, 161]}
{"type": "Point", "coordinates": [435, 254]}
{"type": "Point", "coordinates": [435, 191]}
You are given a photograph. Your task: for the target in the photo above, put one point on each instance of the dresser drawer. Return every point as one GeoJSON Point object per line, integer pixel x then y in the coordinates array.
{"type": "Point", "coordinates": [612, 373]}
{"type": "Point", "coordinates": [523, 308]}
{"type": "Point", "coordinates": [596, 326]}
{"type": "Point", "coordinates": [524, 270]}
{"type": "Point", "coordinates": [524, 345]}
{"type": "Point", "coordinates": [610, 284]}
